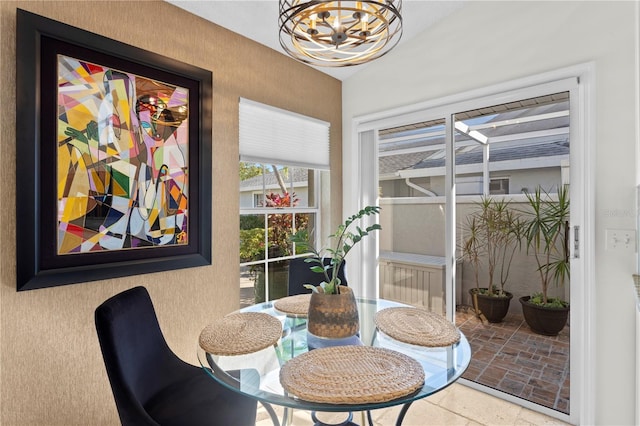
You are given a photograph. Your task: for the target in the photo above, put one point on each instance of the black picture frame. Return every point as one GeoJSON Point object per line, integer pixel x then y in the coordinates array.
{"type": "Point", "coordinates": [39, 40]}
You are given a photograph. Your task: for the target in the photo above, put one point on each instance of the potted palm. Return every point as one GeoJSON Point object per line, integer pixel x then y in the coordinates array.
{"type": "Point", "coordinates": [546, 232]}
{"type": "Point", "coordinates": [493, 233]}
{"type": "Point", "coordinates": [332, 310]}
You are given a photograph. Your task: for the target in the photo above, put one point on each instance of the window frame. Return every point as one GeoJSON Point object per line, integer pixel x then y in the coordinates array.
{"type": "Point", "coordinates": [313, 208]}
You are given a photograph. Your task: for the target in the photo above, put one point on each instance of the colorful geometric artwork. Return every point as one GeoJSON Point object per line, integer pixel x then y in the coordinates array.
{"type": "Point", "coordinates": [122, 172]}
{"type": "Point", "coordinates": [113, 156]}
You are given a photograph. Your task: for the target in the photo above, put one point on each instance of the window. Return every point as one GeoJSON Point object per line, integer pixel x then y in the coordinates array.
{"type": "Point", "coordinates": [499, 186]}
{"type": "Point", "coordinates": [282, 156]}
{"type": "Point", "coordinates": [286, 204]}
{"type": "Point", "coordinates": [258, 200]}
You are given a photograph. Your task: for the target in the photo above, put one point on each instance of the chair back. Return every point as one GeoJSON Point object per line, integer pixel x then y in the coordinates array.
{"type": "Point", "coordinates": [138, 361]}
{"type": "Point", "coordinates": [301, 274]}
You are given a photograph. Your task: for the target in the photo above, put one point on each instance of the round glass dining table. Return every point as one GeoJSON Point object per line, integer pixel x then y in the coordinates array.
{"type": "Point", "coordinates": [257, 374]}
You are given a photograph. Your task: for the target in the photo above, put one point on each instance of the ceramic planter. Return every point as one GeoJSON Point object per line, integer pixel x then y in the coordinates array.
{"type": "Point", "coordinates": [493, 308]}
{"type": "Point", "coordinates": [543, 320]}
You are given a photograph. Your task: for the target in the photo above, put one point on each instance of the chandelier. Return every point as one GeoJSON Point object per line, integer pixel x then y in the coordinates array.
{"type": "Point", "coordinates": [339, 33]}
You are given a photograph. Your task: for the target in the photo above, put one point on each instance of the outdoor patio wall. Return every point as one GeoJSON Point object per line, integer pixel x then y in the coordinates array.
{"type": "Point", "coordinates": [411, 226]}
{"type": "Point", "coordinates": [52, 370]}
{"type": "Point", "coordinates": [486, 43]}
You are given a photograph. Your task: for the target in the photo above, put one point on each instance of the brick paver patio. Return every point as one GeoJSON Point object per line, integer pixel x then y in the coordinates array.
{"type": "Point", "coordinates": [509, 357]}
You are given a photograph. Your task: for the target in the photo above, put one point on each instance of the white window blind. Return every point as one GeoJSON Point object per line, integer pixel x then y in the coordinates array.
{"type": "Point", "coordinates": [273, 135]}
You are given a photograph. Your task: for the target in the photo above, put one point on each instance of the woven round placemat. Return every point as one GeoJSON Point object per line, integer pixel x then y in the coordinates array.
{"type": "Point", "coordinates": [295, 305]}
{"type": "Point", "coordinates": [351, 375]}
{"type": "Point", "coordinates": [417, 327]}
{"type": "Point", "coordinates": [240, 333]}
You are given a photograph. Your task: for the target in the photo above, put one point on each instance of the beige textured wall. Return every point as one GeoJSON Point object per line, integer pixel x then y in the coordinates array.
{"type": "Point", "coordinates": [51, 367]}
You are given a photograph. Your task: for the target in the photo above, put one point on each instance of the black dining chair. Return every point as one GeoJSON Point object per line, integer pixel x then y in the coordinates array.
{"type": "Point", "coordinates": [150, 384]}
{"type": "Point", "coordinates": [301, 274]}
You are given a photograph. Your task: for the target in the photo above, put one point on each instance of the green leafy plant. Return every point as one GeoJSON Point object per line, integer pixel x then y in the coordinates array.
{"type": "Point", "coordinates": [546, 231]}
{"type": "Point", "coordinates": [493, 232]}
{"type": "Point", "coordinates": [251, 244]}
{"type": "Point", "coordinates": [344, 239]}
{"type": "Point", "coordinates": [473, 247]}
{"type": "Point", "coordinates": [552, 302]}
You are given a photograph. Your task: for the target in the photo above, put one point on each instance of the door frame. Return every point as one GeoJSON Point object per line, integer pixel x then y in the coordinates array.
{"type": "Point", "coordinates": [579, 80]}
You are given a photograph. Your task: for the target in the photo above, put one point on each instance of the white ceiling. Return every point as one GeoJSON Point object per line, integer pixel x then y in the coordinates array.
{"type": "Point", "coordinates": [258, 20]}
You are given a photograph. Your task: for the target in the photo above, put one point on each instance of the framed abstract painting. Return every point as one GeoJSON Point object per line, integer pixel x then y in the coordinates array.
{"type": "Point", "coordinates": [113, 158]}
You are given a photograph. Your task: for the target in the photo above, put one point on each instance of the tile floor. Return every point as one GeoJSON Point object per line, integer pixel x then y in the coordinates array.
{"type": "Point", "coordinates": [456, 405]}
{"type": "Point", "coordinates": [508, 356]}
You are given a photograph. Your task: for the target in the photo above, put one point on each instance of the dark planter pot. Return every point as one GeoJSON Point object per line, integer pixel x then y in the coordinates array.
{"type": "Point", "coordinates": [493, 308]}
{"type": "Point", "coordinates": [543, 320]}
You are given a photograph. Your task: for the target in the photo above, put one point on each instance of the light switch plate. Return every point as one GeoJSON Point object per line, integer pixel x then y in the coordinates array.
{"type": "Point", "coordinates": [621, 240]}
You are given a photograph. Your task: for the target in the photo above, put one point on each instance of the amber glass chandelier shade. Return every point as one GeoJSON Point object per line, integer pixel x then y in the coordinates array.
{"type": "Point", "coordinates": [339, 33]}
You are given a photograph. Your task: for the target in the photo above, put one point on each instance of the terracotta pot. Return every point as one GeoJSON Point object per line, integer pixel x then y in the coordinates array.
{"type": "Point", "coordinates": [333, 316]}
{"type": "Point", "coordinates": [493, 308]}
{"type": "Point", "coordinates": [543, 320]}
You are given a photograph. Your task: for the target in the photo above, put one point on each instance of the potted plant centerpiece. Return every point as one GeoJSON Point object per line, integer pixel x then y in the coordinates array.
{"type": "Point", "coordinates": [546, 231]}
{"type": "Point", "coordinates": [332, 310]}
{"type": "Point", "coordinates": [492, 236]}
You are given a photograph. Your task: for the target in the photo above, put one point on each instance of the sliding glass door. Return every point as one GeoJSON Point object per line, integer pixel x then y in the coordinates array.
{"type": "Point", "coordinates": [504, 155]}
{"type": "Point", "coordinates": [454, 181]}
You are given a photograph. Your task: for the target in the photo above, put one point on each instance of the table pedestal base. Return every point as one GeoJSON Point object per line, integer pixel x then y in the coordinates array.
{"type": "Point", "coordinates": [346, 422]}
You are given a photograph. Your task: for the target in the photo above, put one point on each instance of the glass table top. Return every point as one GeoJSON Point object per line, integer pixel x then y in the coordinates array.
{"type": "Point", "coordinates": [257, 374]}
